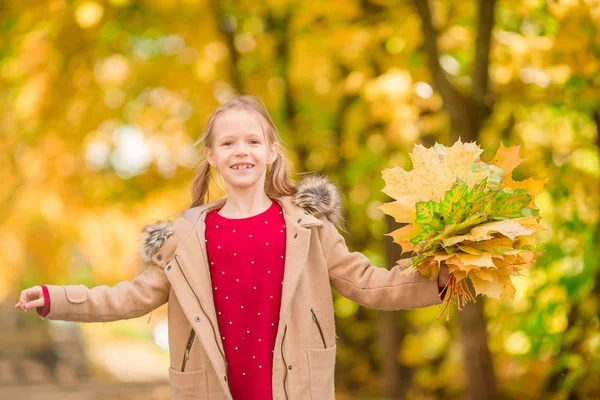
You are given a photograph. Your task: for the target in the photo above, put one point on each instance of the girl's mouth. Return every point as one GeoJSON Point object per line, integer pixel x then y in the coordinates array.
{"type": "Point", "coordinates": [243, 167]}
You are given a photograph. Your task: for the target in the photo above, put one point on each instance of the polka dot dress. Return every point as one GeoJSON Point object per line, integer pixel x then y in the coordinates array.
{"type": "Point", "coordinates": [246, 258]}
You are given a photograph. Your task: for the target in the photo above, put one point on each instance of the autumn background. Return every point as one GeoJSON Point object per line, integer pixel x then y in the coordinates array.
{"type": "Point", "coordinates": [101, 103]}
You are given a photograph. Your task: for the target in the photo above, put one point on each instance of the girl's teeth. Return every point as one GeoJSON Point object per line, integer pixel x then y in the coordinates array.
{"type": "Point", "coordinates": [244, 167]}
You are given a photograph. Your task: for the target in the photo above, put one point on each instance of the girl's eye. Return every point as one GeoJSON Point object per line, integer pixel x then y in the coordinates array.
{"type": "Point", "coordinates": [253, 141]}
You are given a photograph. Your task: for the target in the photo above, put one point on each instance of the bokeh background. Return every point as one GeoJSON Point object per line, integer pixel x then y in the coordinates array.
{"type": "Point", "coordinates": [101, 103]}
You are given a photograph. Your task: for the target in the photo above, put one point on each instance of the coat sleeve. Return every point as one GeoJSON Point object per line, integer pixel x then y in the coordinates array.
{"type": "Point", "coordinates": [125, 300]}
{"type": "Point", "coordinates": [354, 277]}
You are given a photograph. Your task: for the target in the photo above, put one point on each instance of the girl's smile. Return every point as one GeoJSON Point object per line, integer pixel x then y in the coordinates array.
{"type": "Point", "coordinates": [242, 167]}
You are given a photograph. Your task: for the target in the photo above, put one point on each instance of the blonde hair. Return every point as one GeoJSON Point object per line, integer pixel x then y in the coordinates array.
{"type": "Point", "coordinates": [277, 182]}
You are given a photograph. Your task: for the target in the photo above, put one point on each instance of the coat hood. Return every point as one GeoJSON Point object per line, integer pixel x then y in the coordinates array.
{"type": "Point", "coordinates": [315, 194]}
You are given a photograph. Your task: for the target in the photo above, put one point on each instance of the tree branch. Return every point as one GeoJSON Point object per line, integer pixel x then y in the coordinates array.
{"type": "Point", "coordinates": [482, 51]}
{"type": "Point", "coordinates": [228, 31]}
{"type": "Point", "coordinates": [454, 103]}
{"type": "Point", "coordinates": [440, 80]}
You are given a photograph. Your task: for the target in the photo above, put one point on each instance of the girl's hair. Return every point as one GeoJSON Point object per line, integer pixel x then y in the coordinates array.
{"type": "Point", "coordinates": [277, 182]}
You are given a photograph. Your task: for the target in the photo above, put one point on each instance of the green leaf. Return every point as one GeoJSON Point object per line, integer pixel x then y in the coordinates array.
{"type": "Point", "coordinates": [481, 202]}
{"type": "Point", "coordinates": [425, 234]}
{"type": "Point", "coordinates": [509, 203]}
{"type": "Point", "coordinates": [428, 214]}
{"type": "Point", "coordinates": [455, 201]}
{"type": "Point", "coordinates": [462, 227]}
{"type": "Point", "coordinates": [478, 192]}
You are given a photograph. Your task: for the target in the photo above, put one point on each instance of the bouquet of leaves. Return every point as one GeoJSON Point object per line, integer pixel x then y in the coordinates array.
{"type": "Point", "coordinates": [465, 213]}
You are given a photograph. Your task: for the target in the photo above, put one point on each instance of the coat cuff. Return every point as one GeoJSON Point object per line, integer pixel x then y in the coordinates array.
{"type": "Point", "coordinates": [45, 309]}
{"type": "Point", "coordinates": [57, 296]}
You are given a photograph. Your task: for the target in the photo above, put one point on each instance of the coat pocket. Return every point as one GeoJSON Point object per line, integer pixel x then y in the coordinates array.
{"type": "Point", "coordinates": [76, 294]}
{"type": "Point", "coordinates": [321, 366]}
{"type": "Point", "coordinates": [191, 385]}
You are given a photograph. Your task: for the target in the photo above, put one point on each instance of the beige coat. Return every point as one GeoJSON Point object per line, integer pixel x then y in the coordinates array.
{"type": "Point", "coordinates": [316, 260]}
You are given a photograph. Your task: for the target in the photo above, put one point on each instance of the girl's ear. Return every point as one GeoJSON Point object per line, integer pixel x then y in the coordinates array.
{"type": "Point", "coordinates": [273, 152]}
{"type": "Point", "coordinates": [209, 157]}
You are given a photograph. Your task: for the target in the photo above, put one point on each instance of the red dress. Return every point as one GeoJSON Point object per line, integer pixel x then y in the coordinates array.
{"type": "Point", "coordinates": [246, 258]}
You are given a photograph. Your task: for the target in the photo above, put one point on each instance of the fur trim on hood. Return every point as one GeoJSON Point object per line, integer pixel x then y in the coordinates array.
{"type": "Point", "coordinates": [319, 197]}
{"type": "Point", "coordinates": [153, 237]}
{"type": "Point", "coordinates": [315, 194]}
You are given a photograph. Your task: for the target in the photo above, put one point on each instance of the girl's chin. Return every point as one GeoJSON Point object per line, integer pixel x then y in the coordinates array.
{"type": "Point", "coordinates": [244, 179]}
{"type": "Point", "coordinates": [245, 172]}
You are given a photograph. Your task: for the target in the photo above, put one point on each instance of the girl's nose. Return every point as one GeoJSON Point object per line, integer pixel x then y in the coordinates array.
{"type": "Point", "coordinates": [241, 151]}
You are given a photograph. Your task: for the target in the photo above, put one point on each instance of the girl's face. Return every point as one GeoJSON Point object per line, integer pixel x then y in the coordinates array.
{"type": "Point", "coordinates": [238, 140]}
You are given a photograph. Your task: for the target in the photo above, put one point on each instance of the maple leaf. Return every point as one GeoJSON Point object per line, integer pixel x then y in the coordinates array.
{"type": "Point", "coordinates": [434, 172]}
{"type": "Point", "coordinates": [403, 236]}
{"type": "Point", "coordinates": [507, 159]}
{"type": "Point", "coordinates": [466, 214]}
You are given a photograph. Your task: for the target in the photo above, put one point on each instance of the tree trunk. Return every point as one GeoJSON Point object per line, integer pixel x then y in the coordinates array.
{"type": "Point", "coordinates": [467, 117]}
{"type": "Point", "coordinates": [575, 333]}
{"type": "Point", "coordinates": [392, 329]}
{"type": "Point", "coordinates": [389, 341]}
{"type": "Point", "coordinates": [478, 361]}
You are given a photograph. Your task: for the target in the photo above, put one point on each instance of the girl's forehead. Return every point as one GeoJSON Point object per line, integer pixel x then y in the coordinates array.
{"type": "Point", "coordinates": [237, 122]}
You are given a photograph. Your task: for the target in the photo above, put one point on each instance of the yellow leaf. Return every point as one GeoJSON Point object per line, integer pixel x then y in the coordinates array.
{"type": "Point", "coordinates": [509, 287]}
{"type": "Point", "coordinates": [402, 210]}
{"type": "Point", "coordinates": [467, 262]}
{"type": "Point", "coordinates": [510, 228]}
{"type": "Point", "coordinates": [485, 274]}
{"type": "Point", "coordinates": [443, 257]}
{"type": "Point", "coordinates": [532, 223]}
{"type": "Point", "coordinates": [403, 235]}
{"type": "Point", "coordinates": [526, 257]}
{"type": "Point", "coordinates": [459, 274]}
{"type": "Point", "coordinates": [483, 260]}
{"type": "Point", "coordinates": [469, 250]}
{"type": "Point", "coordinates": [491, 289]}
{"type": "Point", "coordinates": [509, 265]}
{"type": "Point", "coordinates": [483, 232]}
{"type": "Point", "coordinates": [495, 244]}
{"type": "Point", "coordinates": [454, 263]}
{"type": "Point", "coordinates": [464, 238]}
{"type": "Point", "coordinates": [434, 172]}
{"type": "Point", "coordinates": [429, 267]}
{"type": "Point", "coordinates": [520, 256]}
{"type": "Point", "coordinates": [527, 240]}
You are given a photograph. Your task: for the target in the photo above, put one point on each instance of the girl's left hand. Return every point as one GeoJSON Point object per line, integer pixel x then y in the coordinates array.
{"type": "Point", "coordinates": [444, 276]}
{"type": "Point", "coordinates": [31, 298]}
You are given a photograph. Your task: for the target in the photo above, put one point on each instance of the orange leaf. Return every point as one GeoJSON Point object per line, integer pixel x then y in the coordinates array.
{"type": "Point", "coordinates": [403, 235]}
{"type": "Point", "coordinates": [507, 158]}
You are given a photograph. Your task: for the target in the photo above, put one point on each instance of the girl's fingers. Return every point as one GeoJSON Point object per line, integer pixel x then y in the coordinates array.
{"type": "Point", "coordinates": [35, 303]}
{"type": "Point", "coordinates": [33, 293]}
{"type": "Point", "coordinates": [23, 299]}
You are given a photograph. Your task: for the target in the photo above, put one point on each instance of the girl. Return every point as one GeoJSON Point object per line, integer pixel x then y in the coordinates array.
{"type": "Point", "coordinates": [248, 277]}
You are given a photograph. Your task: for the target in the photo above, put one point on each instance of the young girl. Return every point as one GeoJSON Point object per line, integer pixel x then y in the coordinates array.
{"type": "Point", "coordinates": [248, 277]}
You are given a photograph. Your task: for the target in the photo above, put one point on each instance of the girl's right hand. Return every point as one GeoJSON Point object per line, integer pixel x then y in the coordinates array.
{"type": "Point", "coordinates": [31, 298]}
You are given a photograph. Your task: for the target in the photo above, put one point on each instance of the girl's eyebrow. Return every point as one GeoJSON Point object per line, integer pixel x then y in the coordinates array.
{"type": "Point", "coordinates": [247, 135]}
